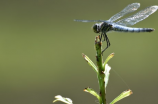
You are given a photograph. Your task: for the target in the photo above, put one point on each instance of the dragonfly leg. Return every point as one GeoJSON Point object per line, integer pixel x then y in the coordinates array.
{"type": "Point", "coordinates": [107, 41]}
{"type": "Point", "coordinates": [104, 37]}
{"type": "Point", "coordinates": [101, 37]}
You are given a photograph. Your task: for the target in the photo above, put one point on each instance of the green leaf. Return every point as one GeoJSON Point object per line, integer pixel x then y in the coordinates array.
{"type": "Point", "coordinates": [91, 91]}
{"type": "Point", "coordinates": [107, 74]}
{"type": "Point", "coordinates": [121, 96]}
{"type": "Point", "coordinates": [90, 62]}
{"type": "Point", "coordinates": [108, 58]}
{"type": "Point", "coordinates": [62, 99]}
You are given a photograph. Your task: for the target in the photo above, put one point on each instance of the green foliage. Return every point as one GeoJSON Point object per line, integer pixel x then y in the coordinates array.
{"type": "Point", "coordinates": [103, 72]}
{"type": "Point", "coordinates": [121, 96]}
{"type": "Point", "coordinates": [62, 99]}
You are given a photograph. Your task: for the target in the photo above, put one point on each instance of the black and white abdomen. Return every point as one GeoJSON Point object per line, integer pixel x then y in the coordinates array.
{"type": "Point", "coordinates": [120, 28]}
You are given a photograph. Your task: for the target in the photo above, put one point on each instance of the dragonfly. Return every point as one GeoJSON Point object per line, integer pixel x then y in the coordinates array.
{"type": "Point", "coordinates": [105, 26]}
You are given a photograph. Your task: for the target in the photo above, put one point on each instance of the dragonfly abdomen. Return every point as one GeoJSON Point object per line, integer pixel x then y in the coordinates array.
{"type": "Point", "coordinates": [130, 29]}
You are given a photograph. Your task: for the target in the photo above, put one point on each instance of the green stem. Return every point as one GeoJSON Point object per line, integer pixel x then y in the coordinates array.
{"type": "Point", "coordinates": [100, 65]}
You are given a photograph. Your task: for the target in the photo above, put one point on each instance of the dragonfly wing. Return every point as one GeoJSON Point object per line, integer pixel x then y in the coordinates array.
{"type": "Point", "coordinates": [141, 15]}
{"type": "Point", "coordinates": [130, 8]}
{"type": "Point", "coordinates": [89, 20]}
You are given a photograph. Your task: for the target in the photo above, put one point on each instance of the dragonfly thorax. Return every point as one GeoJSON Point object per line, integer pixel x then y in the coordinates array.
{"type": "Point", "coordinates": [102, 27]}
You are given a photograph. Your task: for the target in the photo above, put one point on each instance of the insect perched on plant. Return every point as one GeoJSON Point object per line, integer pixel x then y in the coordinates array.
{"type": "Point", "coordinates": [121, 25]}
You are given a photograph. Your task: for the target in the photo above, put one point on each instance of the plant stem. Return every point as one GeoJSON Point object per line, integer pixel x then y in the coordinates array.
{"type": "Point", "coordinates": [100, 75]}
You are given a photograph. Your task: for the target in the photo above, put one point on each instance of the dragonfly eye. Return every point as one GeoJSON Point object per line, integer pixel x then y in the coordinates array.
{"type": "Point", "coordinates": [96, 28]}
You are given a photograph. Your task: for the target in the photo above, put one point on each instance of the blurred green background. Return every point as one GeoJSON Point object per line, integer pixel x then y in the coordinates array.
{"type": "Point", "coordinates": [41, 47]}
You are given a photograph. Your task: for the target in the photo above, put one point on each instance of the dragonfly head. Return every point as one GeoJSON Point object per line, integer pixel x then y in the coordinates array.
{"type": "Point", "coordinates": [96, 28]}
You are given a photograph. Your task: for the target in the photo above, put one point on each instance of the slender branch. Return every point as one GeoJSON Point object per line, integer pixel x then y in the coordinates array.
{"type": "Point", "coordinates": [100, 75]}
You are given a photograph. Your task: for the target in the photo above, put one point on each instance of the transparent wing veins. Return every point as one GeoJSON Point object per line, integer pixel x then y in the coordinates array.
{"type": "Point", "coordinates": [89, 20]}
{"type": "Point", "coordinates": [130, 8]}
{"type": "Point", "coordinates": [141, 15]}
